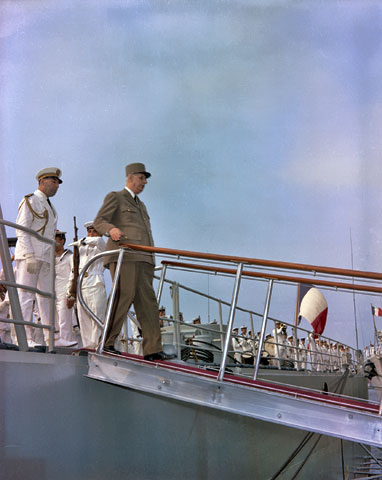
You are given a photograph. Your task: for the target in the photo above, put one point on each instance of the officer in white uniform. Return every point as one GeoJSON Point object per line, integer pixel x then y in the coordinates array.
{"type": "Point", "coordinates": [32, 256]}
{"type": "Point", "coordinates": [64, 315]}
{"type": "Point", "coordinates": [93, 286]}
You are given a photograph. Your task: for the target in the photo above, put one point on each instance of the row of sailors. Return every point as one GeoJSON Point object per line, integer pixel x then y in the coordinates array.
{"type": "Point", "coordinates": [316, 355]}
{"type": "Point", "coordinates": [371, 350]}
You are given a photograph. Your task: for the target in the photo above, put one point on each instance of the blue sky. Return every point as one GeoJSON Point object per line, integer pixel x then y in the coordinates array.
{"type": "Point", "coordinates": [259, 120]}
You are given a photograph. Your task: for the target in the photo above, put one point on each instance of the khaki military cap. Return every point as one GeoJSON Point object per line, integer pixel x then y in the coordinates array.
{"type": "Point", "coordinates": [133, 168]}
{"type": "Point", "coordinates": [49, 172]}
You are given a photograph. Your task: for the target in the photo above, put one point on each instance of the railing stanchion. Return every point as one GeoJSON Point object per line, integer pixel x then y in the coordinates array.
{"type": "Point", "coordinates": [12, 291]}
{"type": "Point", "coordinates": [161, 282]}
{"type": "Point", "coordinates": [230, 321]}
{"type": "Point", "coordinates": [175, 313]}
{"type": "Point", "coordinates": [111, 300]}
{"type": "Point", "coordinates": [221, 325]}
{"type": "Point", "coordinates": [52, 301]}
{"type": "Point", "coordinates": [263, 327]}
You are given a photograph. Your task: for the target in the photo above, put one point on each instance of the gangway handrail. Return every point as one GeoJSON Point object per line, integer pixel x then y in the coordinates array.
{"type": "Point", "coordinates": [214, 269]}
{"type": "Point", "coordinates": [245, 310]}
{"type": "Point", "coordinates": [16, 309]}
{"type": "Point", "coordinates": [284, 278]}
{"type": "Point", "coordinates": [255, 261]}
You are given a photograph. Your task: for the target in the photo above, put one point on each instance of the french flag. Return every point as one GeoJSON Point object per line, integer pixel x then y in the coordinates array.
{"type": "Point", "coordinates": [314, 308]}
{"type": "Point", "coordinates": [377, 312]}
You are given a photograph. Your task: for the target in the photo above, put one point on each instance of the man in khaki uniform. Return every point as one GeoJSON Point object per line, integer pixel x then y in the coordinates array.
{"type": "Point", "coordinates": [124, 217]}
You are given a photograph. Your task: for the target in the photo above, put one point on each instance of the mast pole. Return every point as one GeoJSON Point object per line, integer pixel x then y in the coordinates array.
{"type": "Point", "coordinates": [354, 304]}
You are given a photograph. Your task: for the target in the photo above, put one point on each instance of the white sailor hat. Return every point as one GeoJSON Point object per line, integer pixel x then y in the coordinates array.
{"type": "Point", "coordinates": [49, 172]}
{"type": "Point", "coordinates": [89, 224]}
{"type": "Point", "coordinates": [243, 326]}
{"type": "Point", "coordinates": [59, 232]}
{"type": "Point", "coordinates": [236, 328]}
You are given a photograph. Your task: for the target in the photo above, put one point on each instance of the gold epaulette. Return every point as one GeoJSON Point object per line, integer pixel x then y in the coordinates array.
{"type": "Point", "coordinates": [43, 216]}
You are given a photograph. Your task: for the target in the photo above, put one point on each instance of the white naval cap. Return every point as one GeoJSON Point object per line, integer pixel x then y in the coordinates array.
{"type": "Point", "coordinates": [59, 232]}
{"type": "Point", "coordinates": [49, 172]}
{"type": "Point", "coordinates": [89, 224]}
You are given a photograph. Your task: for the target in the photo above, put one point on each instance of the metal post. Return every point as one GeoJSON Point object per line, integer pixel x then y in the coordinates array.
{"type": "Point", "coordinates": [111, 300]}
{"type": "Point", "coordinates": [52, 302]}
{"type": "Point", "coordinates": [263, 327]}
{"type": "Point", "coordinates": [175, 312]}
{"type": "Point", "coordinates": [251, 323]}
{"type": "Point", "coordinates": [230, 321]}
{"type": "Point", "coordinates": [277, 348]}
{"type": "Point", "coordinates": [221, 325]}
{"type": "Point", "coordinates": [252, 339]}
{"type": "Point", "coordinates": [296, 349]}
{"type": "Point", "coordinates": [161, 282]}
{"type": "Point", "coordinates": [12, 291]}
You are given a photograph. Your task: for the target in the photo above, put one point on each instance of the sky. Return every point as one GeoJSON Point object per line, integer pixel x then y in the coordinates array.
{"type": "Point", "coordinates": [260, 122]}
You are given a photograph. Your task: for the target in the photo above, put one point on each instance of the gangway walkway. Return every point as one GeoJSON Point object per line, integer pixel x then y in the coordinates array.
{"type": "Point", "coordinates": [321, 412]}
{"type": "Point", "coordinates": [327, 414]}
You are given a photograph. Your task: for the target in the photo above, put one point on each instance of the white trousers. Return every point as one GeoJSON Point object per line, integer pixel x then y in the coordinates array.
{"type": "Point", "coordinates": [64, 319]}
{"type": "Point", "coordinates": [95, 298]}
{"type": "Point", "coordinates": [5, 328]}
{"type": "Point", "coordinates": [41, 280]}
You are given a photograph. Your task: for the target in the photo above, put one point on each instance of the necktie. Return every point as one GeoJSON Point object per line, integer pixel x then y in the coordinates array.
{"type": "Point", "coordinates": [136, 199]}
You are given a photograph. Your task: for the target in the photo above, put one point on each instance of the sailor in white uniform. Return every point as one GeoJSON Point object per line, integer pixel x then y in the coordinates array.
{"type": "Point", "coordinates": [236, 346]}
{"type": "Point", "coordinates": [31, 255]}
{"type": "Point", "coordinates": [279, 334]}
{"type": "Point", "coordinates": [313, 353]}
{"type": "Point", "coordinates": [246, 347]}
{"type": "Point", "coordinates": [303, 355]}
{"type": "Point", "coordinates": [64, 315]}
{"type": "Point", "coordinates": [93, 286]}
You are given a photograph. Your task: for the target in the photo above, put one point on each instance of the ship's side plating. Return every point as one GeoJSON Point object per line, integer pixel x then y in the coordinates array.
{"type": "Point", "coordinates": [57, 423]}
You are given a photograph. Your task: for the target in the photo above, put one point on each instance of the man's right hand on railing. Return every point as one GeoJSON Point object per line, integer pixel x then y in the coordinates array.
{"type": "Point", "coordinates": [115, 234]}
{"type": "Point", "coordinates": [31, 263]}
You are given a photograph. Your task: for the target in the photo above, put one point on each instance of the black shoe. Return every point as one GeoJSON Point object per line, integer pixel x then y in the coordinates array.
{"type": "Point", "coordinates": [112, 350]}
{"type": "Point", "coordinates": [159, 356]}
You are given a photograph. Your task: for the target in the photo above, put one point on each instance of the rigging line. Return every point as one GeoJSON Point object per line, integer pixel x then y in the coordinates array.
{"type": "Point", "coordinates": [354, 304]}
{"type": "Point", "coordinates": [294, 454]}
{"type": "Point", "coordinates": [342, 459]}
{"type": "Point", "coordinates": [341, 388]}
{"type": "Point", "coordinates": [371, 455]}
{"type": "Point", "coordinates": [307, 457]}
{"type": "Point", "coordinates": [338, 389]}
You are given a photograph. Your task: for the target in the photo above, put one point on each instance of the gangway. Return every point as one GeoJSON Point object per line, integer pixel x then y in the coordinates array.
{"type": "Point", "coordinates": [325, 413]}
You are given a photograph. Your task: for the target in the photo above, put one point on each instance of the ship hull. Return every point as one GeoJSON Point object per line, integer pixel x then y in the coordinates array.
{"type": "Point", "coordinates": [59, 424]}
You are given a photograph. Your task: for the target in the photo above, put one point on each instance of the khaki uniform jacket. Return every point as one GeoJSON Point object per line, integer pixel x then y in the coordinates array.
{"type": "Point", "coordinates": [119, 210]}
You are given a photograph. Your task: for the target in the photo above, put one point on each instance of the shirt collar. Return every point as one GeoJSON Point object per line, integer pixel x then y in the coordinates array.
{"type": "Point", "coordinates": [41, 194]}
{"type": "Point", "coordinates": [131, 193]}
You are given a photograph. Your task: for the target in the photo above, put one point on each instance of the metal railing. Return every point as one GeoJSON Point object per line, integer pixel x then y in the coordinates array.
{"type": "Point", "coordinates": [239, 273]}
{"type": "Point", "coordinates": [18, 320]}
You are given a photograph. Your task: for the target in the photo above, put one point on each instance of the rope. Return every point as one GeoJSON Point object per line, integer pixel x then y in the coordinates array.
{"type": "Point", "coordinates": [340, 386]}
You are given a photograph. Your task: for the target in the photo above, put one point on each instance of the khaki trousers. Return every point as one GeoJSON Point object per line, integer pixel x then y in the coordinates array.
{"type": "Point", "coordinates": [135, 287]}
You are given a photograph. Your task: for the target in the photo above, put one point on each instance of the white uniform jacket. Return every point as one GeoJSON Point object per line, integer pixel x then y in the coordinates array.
{"type": "Point", "coordinates": [63, 271]}
{"type": "Point", "coordinates": [89, 247]}
{"type": "Point", "coordinates": [35, 213]}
